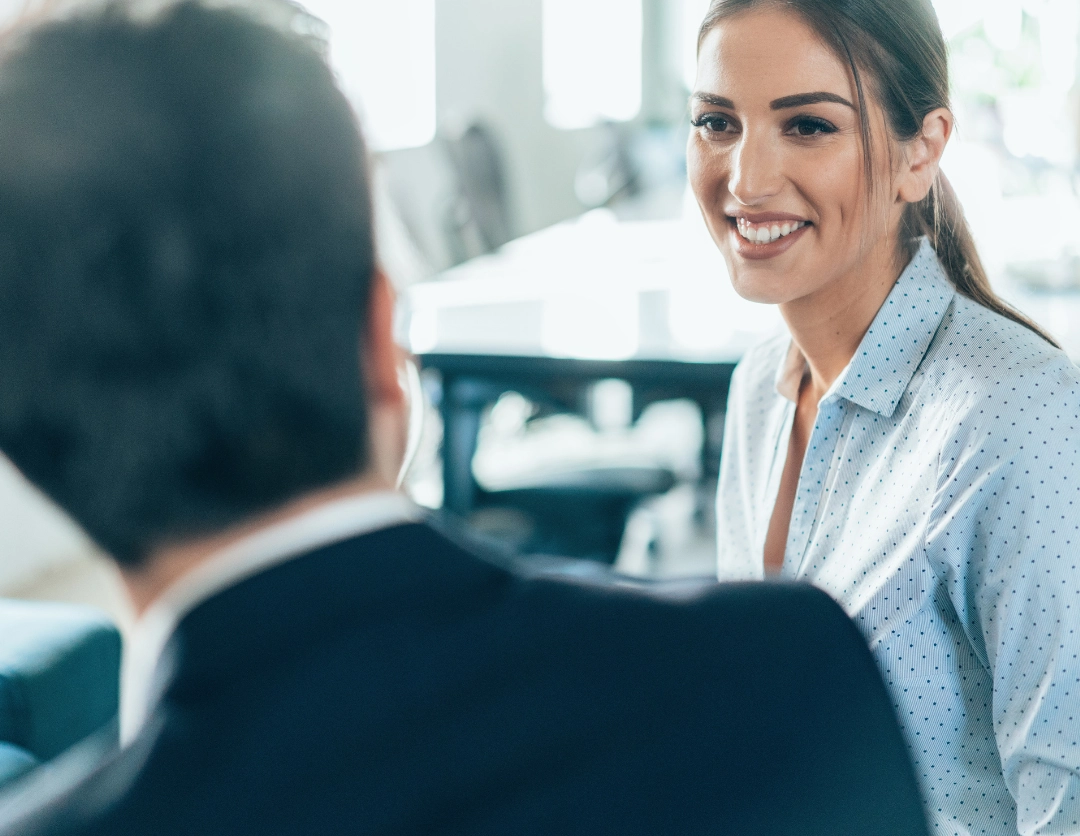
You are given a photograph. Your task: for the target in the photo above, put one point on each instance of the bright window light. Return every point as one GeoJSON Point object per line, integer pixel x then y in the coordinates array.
{"type": "Point", "coordinates": [592, 61]}
{"type": "Point", "coordinates": [957, 15]}
{"type": "Point", "coordinates": [10, 9]}
{"type": "Point", "coordinates": [383, 52]}
{"type": "Point", "coordinates": [691, 14]}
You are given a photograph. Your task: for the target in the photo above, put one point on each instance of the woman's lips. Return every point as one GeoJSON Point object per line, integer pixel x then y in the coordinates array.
{"type": "Point", "coordinates": [771, 243]}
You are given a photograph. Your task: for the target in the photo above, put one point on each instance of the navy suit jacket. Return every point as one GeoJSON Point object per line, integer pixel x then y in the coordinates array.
{"type": "Point", "coordinates": [402, 683]}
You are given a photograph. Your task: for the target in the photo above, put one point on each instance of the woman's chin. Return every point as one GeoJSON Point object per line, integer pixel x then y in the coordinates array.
{"type": "Point", "coordinates": [761, 287]}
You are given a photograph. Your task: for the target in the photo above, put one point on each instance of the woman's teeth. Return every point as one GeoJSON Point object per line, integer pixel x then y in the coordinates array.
{"type": "Point", "coordinates": [767, 233]}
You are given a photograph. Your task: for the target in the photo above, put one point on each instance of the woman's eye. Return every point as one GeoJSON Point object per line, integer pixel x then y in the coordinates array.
{"type": "Point", "coordinates": [810, 126]}
{"type": "Point", "coordinates": [713, 123]}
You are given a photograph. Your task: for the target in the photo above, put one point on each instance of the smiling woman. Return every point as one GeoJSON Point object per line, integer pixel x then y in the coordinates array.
{"type": "Point", "coordinates": [912, 447]}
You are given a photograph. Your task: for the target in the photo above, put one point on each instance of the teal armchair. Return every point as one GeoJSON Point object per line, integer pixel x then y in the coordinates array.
{"type": "Point", "coordinates": [59, 680]}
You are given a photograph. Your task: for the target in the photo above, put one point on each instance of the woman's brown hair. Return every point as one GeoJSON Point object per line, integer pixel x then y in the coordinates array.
{"type": "Point", "coordinates": [899, 46]}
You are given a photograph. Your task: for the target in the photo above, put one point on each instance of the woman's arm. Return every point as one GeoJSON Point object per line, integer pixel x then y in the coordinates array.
{"type": "Point", "coordinates": [1005, 539]}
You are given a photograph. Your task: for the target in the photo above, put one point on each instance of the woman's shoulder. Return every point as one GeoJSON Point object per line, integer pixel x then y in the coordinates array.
{"type": "Point", "coordinates": [981, 345]}
{"type": "Point", "coordinates": [983, 363]}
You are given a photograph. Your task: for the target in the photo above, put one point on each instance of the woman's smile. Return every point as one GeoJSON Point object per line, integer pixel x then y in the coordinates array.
{"type": "Point", "coordinates": [767, 230]}
{"type": "Point", "coordinates": [765, 235]}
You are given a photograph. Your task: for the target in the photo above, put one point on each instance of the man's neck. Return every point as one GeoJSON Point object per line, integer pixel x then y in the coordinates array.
{"type": "Point", "coordinates": [167, 565]}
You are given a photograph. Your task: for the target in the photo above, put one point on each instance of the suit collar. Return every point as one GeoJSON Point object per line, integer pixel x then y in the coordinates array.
{"type": "Point", "coordinates": [325, 524]}
{"type": "Point", "coordinates": [287, 610]}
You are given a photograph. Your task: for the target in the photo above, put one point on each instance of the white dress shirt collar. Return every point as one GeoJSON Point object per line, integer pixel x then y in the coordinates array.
{"type": "Point", "coordinates": [879, 373]}
{"type": "Point", "coordinates": [328, 523]}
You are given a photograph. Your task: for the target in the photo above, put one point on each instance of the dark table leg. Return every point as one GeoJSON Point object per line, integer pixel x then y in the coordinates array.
{"type": "Point", "coordinates": [461, 408]}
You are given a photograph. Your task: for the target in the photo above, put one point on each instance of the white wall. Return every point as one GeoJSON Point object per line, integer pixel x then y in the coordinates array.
{"type": "Point", "coordinates": [488, 67]}
{"type": "Point", "coordinates": [488, 61]}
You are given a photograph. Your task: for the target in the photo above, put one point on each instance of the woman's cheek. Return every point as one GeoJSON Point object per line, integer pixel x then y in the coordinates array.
{"type": "Point", "coordinates": [708, 169]}
{"type": "Point", "coordinates": [831, 183]}
{"type": "Point", "coordinates": [696, 168]}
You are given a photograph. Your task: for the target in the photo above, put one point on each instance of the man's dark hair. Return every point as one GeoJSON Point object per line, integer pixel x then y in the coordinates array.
{"type": "Point", "coordinates": [185, 262]}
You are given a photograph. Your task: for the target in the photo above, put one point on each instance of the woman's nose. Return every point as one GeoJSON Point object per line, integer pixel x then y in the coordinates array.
{"type": "Point", "coordinates": [755, 171]}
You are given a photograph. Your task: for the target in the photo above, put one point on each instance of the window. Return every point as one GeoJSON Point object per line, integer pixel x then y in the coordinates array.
{"type": "Point", "coordinates": [383, 52]}
{"type": "Point", "coordinates": [691, 14]}
{"type": "Point", "coordinates": [592, 61]}
{"type": "Point", "coordinates": [1014, 61]}
{"type": "Point", "coordinates": [10, 9]}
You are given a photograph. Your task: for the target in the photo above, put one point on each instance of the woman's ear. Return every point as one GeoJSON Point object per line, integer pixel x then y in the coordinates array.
{"type": "Point", "coordinates": [923, 156]}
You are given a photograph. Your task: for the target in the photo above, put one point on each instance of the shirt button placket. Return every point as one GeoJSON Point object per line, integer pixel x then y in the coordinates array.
{"type": "Point", "coordinates": [812, 482]}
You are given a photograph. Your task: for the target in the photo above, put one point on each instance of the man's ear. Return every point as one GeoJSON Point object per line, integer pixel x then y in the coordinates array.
{"type": "Point", "coordinates": [923, 156]}
{"type": "Point", "coordinates": [381, 355]}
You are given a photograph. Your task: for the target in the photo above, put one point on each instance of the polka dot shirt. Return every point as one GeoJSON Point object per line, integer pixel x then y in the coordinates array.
{"type": "Point", "coordinates": [939, 503]}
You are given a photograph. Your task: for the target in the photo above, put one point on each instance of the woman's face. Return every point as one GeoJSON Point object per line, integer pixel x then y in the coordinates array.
{"type": "Point", "coordinates": [775, 160]}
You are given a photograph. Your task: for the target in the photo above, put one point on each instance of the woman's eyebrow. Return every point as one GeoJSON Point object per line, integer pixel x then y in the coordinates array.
{"type": "Point", "coordinates": [785, 103]}
{"type": "Point", "coordinates": [803, 99]}
{"type": "Point", "coordinates": [715, 101]}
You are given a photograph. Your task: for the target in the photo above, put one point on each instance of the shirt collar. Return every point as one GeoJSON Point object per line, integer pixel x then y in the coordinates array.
{"type": "Point", "coordinates": [899, 337]}
{"type": "Point", "coordinates": [331, 522]}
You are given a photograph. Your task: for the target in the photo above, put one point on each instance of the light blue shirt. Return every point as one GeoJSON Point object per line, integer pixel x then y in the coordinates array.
{"type": "Point", "coordinates": [939, 503]}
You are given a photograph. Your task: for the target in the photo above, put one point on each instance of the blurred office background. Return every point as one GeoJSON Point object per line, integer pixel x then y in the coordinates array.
{"type": "Point", "coordinates": [574, 320]}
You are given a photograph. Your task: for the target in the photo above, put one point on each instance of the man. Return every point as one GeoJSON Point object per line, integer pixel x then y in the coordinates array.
{"type": "Point", "coordinates": [197, 364]}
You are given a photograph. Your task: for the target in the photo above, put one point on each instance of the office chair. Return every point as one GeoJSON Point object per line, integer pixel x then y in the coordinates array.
{"type": "Point", "coordinates": [59, 680]}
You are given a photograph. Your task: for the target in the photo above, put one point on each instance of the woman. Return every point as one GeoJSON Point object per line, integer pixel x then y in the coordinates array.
{"type": "Point", "coordinates": [912, 446]}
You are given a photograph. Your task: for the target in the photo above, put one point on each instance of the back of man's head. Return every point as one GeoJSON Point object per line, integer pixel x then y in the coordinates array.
{"type": "Point", "coordinates": [185, 264]}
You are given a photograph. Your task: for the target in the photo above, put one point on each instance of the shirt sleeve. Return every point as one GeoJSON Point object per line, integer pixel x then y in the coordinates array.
{"type": "Point", "coordinates": [1004, 538]}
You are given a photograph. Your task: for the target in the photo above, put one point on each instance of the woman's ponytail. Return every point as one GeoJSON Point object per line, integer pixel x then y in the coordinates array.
{"type": "Point", "coordinates": [940, 217]}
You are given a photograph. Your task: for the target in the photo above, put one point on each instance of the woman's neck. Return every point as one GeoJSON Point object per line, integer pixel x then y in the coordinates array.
{"type": "Point", "coordinates": [829, 325]}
